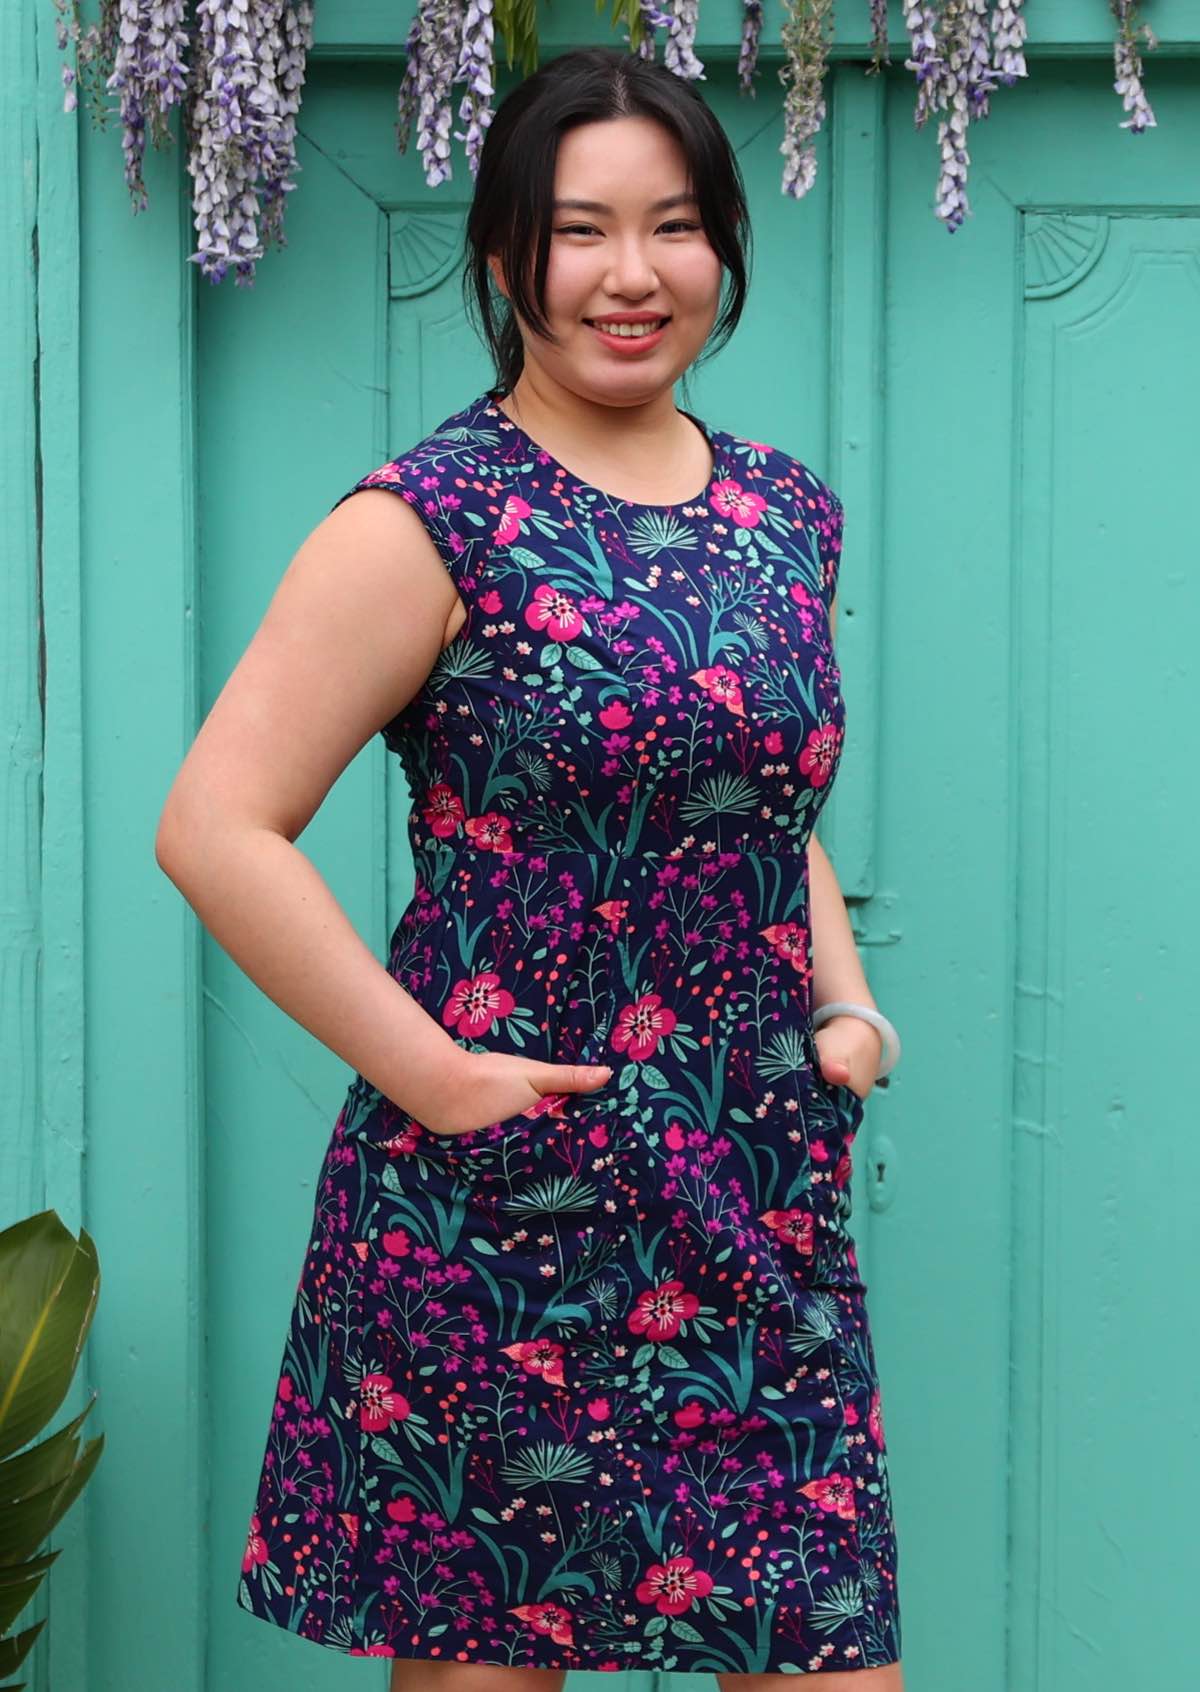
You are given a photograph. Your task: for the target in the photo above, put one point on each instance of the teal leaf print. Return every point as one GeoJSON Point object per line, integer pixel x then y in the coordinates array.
{"type": "Point", "coordinates": [783, 1054]}
{"type": "Point", "coordinates": [842, 1603]}
{"type": "Point", "coordinates": [545, 1465]}
{"type": "Point", "coordinates": [723, 795]}
{"type": "Point", "coordinates": [461, 661]}
{"type": "Point", "coordinates": [546, 1387]}
{"type": "Point", "coordinates": [558, 1195]}
{"type": "Point", "coordinates": [656, 531]}
{"type": "Point", "coordinates": [529, 561]}
{"type": "Point", "coordinates": [583, 659]}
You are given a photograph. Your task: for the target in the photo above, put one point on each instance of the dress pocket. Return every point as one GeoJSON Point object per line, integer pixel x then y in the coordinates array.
{"type": "Point", "coordinates": [510, 1160]}
{"type": "Point", "coordinates": [848, 1104]}
{"type": "Point", "coordinates": [505, 1127]}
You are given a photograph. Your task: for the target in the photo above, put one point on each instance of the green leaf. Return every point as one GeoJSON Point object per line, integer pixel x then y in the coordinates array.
{"type": "Point", "coordinates": [548, 1465]}
{"type": "Point", "coordinates": [527, 560]}
{"type": "Point", "coordinates": [49, 1282]}
{"type": "Point", "coordinates": [583, 659]}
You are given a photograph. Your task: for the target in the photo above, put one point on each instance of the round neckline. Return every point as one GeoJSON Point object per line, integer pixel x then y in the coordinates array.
{"type": "Point", "coordinates": [702, 498]}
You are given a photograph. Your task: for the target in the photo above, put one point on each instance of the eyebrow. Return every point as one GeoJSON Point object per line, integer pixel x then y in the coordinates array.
{"type": "Point", "coordinates": [599, 206]}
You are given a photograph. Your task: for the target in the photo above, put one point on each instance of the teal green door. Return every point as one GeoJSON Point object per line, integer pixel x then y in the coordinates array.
{"type": "Point", "coordinates": [1034, 574]}
{"type": "Point", "coordinates": [1010, 415]}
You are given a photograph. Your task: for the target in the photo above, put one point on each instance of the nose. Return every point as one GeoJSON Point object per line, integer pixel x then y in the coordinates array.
{"type": "Point", "coordinates": [631, 273]}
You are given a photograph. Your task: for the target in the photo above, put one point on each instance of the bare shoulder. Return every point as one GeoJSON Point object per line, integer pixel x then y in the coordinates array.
{"type": "Point", "coordinates": [353, 628]}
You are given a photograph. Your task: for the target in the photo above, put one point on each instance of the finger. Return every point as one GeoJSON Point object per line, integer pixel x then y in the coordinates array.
{"type": "Point", "coordinates": [575, 1077]}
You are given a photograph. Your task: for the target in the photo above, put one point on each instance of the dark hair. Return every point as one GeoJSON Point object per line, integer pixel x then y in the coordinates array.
{"type": "Point", "coordinates": [511, 210]}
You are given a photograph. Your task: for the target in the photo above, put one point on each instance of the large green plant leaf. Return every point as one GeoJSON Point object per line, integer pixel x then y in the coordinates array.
{"type": "Point", "coordinates": [34, 1470]}
{"type": "Point", "coordinates": [13, 1652]}
{"type": "Point", "coordinates": [15, 1594]}
{"type": "Point", "coordinates": [24, 1526]}
{"type": "Point", "coordinates": [49, 1281]}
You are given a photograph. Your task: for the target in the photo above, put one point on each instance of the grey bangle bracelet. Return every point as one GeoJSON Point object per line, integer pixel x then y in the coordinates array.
{"type": "Point", "coordinates": [890, 1056]}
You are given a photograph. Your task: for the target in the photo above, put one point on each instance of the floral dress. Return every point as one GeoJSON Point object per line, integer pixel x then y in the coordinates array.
{"type": "Point", "coordinates": [594, 1387]}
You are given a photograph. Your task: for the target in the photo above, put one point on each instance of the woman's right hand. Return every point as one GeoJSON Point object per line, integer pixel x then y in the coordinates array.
{"type": "Point", "coordinates": [488, 1087]}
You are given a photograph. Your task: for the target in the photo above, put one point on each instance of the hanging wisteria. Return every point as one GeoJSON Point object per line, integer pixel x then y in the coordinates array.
{"type": "Point", "coordinates": [235, 69]}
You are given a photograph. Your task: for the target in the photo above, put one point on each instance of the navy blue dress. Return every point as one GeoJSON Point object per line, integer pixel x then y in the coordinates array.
{"type": "Point", "coordinates": [594, 1387]}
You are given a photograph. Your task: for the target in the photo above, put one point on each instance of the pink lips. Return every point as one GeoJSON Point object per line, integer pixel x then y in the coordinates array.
{"type": "Point", "coordinates": [630, 343]}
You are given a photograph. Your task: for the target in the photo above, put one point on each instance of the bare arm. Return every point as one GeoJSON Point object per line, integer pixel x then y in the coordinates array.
{"type": "Point", "coordinates": [353, 630]}
{"type": "Point", "coordinates": [837, 970]}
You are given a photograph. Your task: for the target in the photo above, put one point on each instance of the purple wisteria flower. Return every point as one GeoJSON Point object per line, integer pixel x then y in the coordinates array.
{"type": "Point", "coordinates": [248, 69]}
{"type": "Point", "coordinates": [752, 23]}
{"type": "Point", "coordinates": [806, 49]}
{"type": "Point", "coordinates": [920, 20]}
{"type": "Point", "coordinates": [1128, 63]}
{"type": "Point", "coordinates": [224, 202]}
{"type": "Point", "coordinates": [434, 62]}
{"type": "Point", "coordinates": [149, 75]}
{"type": "Point", "coordinates": [236, 69]}
{"type": "Point", "coordinates": [979, 79]}
{"type": "Point", "coordinates": [952, 77]}
{"type": "Point", "coordinates": [951, 202]}
{"type": "Point", "coordinates": [284, 46]}
{"type": "Point", "coordinates": [1008, 40]}
{"type": "Point", "coordinates": [407, 97]}
{"type": "Point", "coordinates": [95, 53]}
{"type": "Point", "coordinates": [879, 37]}
{"type": "Point", "coordinates": [653, 18]}
{"type": "Point", "coordinates": [126, 80]}
{"type": "Point", "coordinates": [474, 67]}
{"type": "Point", "coordinates": [679, 53]}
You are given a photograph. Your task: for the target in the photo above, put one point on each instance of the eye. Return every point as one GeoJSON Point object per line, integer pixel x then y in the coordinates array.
{"type": "Point", "coordinates": [590, 229]}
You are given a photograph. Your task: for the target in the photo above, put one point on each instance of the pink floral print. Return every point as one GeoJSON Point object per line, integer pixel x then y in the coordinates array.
{"type": "Point", "coordinates": [594, 1387]}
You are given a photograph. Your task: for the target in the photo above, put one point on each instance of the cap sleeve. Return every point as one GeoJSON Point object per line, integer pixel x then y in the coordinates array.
{"type": "Point", "coordinates": [829, 545]}
{"type": "Point", "coordinates": [431, 482]}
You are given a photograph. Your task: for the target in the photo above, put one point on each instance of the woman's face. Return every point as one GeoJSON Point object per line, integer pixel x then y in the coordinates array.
{"type": "Point", "coordinates": [625, 251]}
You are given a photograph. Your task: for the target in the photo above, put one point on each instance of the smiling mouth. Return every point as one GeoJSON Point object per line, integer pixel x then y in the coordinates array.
{"type": "Point", "coordinates": [627, 331]}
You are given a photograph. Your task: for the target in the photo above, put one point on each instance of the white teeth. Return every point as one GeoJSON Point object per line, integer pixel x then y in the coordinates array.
{"type": "Point", "coordinates": [630, 329]}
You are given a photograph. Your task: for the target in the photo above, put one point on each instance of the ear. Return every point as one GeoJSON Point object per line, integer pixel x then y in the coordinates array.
{"type": "Point", "coordinates": [497, 270]}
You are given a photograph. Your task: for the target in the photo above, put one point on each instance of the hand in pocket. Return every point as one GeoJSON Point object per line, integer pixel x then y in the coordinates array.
{"type": "Point", "coordinates": [493, 1086]}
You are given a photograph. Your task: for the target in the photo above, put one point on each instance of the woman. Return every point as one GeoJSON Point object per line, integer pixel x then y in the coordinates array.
{"type": "Point", "coordinates": [579, 1373]}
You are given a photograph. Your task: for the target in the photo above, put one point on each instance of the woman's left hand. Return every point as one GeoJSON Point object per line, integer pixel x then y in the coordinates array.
{"type": "Point", "coordinates": [850, 1049]}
